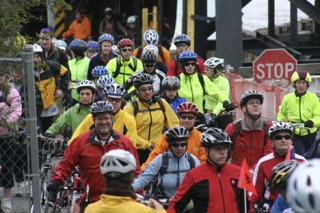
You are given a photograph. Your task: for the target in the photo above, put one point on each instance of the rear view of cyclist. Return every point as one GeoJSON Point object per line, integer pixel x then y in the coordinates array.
{"type": "Point", "coordinates": [117, 167]}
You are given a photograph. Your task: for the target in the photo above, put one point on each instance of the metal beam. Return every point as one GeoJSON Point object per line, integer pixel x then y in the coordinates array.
{"type": "Point", "coordinates": [293, 25]}
{"type": "Point", "coordinates": [308, 8]}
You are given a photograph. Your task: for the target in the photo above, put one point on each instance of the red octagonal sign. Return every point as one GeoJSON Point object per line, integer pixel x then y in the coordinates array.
{"type": "Point", "coordinates": [274, 66]}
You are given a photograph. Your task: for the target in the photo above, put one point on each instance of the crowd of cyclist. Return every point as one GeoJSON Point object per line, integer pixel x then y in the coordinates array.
{"type": "Point", "coordinates": [130, 107]}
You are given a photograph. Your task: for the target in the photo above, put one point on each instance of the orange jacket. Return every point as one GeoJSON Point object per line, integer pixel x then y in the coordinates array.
{"type": "Point", "coordinates": [194, 147]}
{"type": "Point", "coordinates": [81, 31]}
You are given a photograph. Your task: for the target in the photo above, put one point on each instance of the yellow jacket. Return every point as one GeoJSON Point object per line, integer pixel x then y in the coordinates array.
{"type": "Point", "coordinates": [151, 121]}
{"type": "Point", "coordinates": [117, 204]}
{"type": "Point", "coordinates": [194, 147]}
{"type": "Point", "coordinates": [123, 122]}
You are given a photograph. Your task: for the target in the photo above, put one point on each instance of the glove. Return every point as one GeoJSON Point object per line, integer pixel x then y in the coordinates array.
{"type": "Point", "coordinates": [53, 187]}
{"type": "Point", "coordinates": [308, 123]}
{"type": "Point", "coordinates": [229, 107]}
{"type": "Point", "coordinates": [67, 99]}
{"type": "Point", "coordinates": [48, 135]}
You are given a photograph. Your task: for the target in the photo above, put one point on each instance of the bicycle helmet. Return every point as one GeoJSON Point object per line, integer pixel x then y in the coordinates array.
{"type": "Point", "coordinates": [148, 55]}
{"type": "Point", "coordinates": [86, 84]}
{"type": "Point", "coordinates": [101, 107]}
{"type": "Point", "coordinates": [98, 71]}
{"type": "Point", "coordinates": [214, 136]}
{"type": "Point", "coordinates": [169, 82]}
{"type": "Point", "coordinates": [281, 173]}
{"type": "Point", "coordinates": [78, 45]}
{"type": "Point", "coordinates": [114, 91]}
{"type": "Point", "coordinates": [280, 127]}
{"type": "Point", "coordinates": [60, 44]}
{"type": "Point", "coordinates": [108, 11]}
{"type": "Point", "coordinates": [106, 37]}
{"type": "Point", "coordinates": [125, 42]}
{"type": "Point", "coordinates": [131, 19]}
{"type": "Point", "coordinates": [301, 75]}
{"type": "Point", "coordinates": [213, 62]}
{"type": "Point", "coordinates": [182, 38]}
{"type": "Point", "coordinates": [37, 48]}
{"type": "Point", "coordinates": [142, 78]}
{"type": "Point", "coordinates": [115, 50]}
{"type": "Point", "coordinates": [303, 191]}
{"type": "Point", "coordinates": [152, 48]}
{"type": "Point", "coordinates": [187, 56]}
{"type": "Point", "coordinates": [119, 161]}
{"type": "Point", "coordinates": [250, 95]}
{"type": "Point", "coordinates": [151, 37]}
{"type": "Point", "coordinates": [177, 133]}
{"type": "Point", "coordinates": [187, 107]}
{"type": "Point", "coordinates": [93, 45]}
{"type": "Point", "coordinates": [104, 81]}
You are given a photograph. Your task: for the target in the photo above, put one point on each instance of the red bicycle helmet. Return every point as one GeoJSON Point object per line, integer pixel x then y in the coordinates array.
{"type": "Point", "coordinates": [125, 42]}
{"type": "Point", "coordinates": [187, 107]}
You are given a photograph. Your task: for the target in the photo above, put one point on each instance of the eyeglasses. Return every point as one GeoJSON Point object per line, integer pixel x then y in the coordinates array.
{"type": "Point", "coordinates": [189, 63]}
{"type": "Point", "coordinates": [179, 144]}
{"type": "Point", "coordinates": [150, 65]}
{"type": "Point", "coordinates": [126, 50]}
{"type": "Point", "coordinates": [184, 117]}
{"type": "Point", "coordinates": [45, 30]}
{"type": "Point", "coordinates": [181, 45]}
{"type": "Point", "coordinates": [117, 100]}
{"type": "Point", "coordinates": [279, 137]}
{"type": "Point", "coordinates": [143, 89]}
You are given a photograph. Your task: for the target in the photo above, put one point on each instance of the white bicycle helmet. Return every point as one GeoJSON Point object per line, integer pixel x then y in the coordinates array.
{"type": "Point", "coordinates": [104, 81]}
{"type": "Point", "coordinates": [153, 48]}
{"type": "Point", "coordinates": [101, 107]}
{"type": "Point", "coordinates": [115, 50]}
{"type": "Point", "coordinates": [214, 136]}
{"type": "Point", "coordinates": [250, 95]}
{"type": "Point", "coordinates": [177, 133]}
{"type": "Point", "coordinates": [118, 161]}
{"type": "Point", "coordinates": [37, 48]}
{"type": "Point", "coordinates": [303, 191]}
{"type": "Point", "coordinates": [278, 126]}
{"type": "Point", "coordinates": [60, 43]}
{"type": "Point", "coordinates": [149, 55]}
{"type": "Point", "coordinates": [170, 82]}
{"type": "Point", "coordinates": [114, 90]}
{"type": "Point", "coordinates": [213, 62]}
{"type": "Point", "coordinates": [151, 37]}
{"type": "Point", "coordinates": [86, 84]}
{"type": "Point", "coordinates": [131, 19]}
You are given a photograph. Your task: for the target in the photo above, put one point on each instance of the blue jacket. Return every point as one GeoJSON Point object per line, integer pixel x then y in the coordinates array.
{"type": "Point", "coordinates": [279, 205]}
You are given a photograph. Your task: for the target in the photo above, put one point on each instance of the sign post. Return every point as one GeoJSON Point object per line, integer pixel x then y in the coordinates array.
{"type": "Point", "coordinates": [274, 67]}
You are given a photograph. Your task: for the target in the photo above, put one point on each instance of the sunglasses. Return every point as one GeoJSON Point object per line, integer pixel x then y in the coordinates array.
{"type": "Point", "coordinates": [150, 65]}
{"type": "Point", "coordinates": [126, 50]}
{"type": "Point", "coordinates": [45, 30]}
{"type": "Point", "coordinates": [117, 100]}
{"type": "Point", "coordinates": [184, 117]}
{"type": "Point", "coordinates": [146, 89]}
{"type": "Point", "coordinates": [188, 64]}
{"type": "Point", "coordinates": [179, 144]}
{"type": "Point", "coordinates": [279, 137]}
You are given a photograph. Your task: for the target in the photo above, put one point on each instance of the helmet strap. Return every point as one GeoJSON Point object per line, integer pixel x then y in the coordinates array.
{"type": "Point", "coordinates": [254, 118]}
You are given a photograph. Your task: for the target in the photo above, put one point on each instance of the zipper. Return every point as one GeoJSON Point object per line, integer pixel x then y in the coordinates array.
{"type": "Point", "coordinates": [224, 205]}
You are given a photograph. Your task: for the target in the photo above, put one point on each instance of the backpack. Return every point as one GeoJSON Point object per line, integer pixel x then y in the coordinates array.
{"type": "Point", "coordinates": [136, 107]}
{"type": "Point", "coordinates": [119, 65]}
{"type": "Point", "coordinates": [237, 131]}
{"type": "Point", "coordinates": [159, 49]}
{"type": "Point", "coordinates": [200, 77]}
{"type": "Point", "coordinates": [165, 162]}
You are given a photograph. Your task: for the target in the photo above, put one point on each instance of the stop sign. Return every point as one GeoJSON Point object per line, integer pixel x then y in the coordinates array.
{"type": "Point", "coordinates": [274, 66]}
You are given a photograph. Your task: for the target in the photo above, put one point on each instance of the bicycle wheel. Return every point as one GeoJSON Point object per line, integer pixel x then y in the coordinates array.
{"type": "Point", "coordinates": [44, 183]}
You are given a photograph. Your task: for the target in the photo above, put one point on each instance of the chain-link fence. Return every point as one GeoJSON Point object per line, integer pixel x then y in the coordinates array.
{"type": "Point", "coordinates": [19, 161]}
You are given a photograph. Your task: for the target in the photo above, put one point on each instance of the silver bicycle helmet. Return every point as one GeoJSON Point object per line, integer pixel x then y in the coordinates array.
{"type": "Point", "coordinates": [214, 136]}
{"type": "Point", "coordinates": [170, 82]}
{"type": "Point", "coordinates": [148, 55]}
{"type": "Point", "coordinates": [86, 84]}
{"type": "Point", "coordinates": [303, 191]}
{"type": "Point", "coordinates": [141, 79]}
{"type": "Point", "coordinates": [250, 95]}
{"type": "Point", "coordinates": [101, 107]}
{"type": "Point", "coordinates": [177, 133]}
{"type": "Point", "coordinates": [114, 90]}
{"type": "Point", "coordinates": [280, 127]}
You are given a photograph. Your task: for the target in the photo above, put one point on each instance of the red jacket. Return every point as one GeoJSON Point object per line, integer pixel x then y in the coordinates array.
{"type": "Point", "coordinates": [210, 190]}
{"type": "Point", "coordinates": [249, 144]}
{"type": "Point", "coordinates": [86, 152]}
{"type": "Point", "coordinates": [262, 174]}
{"type": "Point", "coordinates": [172, 67]}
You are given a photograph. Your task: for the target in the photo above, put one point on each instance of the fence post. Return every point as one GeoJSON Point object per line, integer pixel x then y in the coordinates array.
{"type": "Point", "coordinates": [31, 121]}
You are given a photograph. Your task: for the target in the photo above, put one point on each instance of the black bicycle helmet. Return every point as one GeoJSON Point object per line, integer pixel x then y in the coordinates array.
{"type": "Point", "coordinates": [78, 45]}
{"type": "Point", "coordinates": [250, 95]}
{"type": "Point", "coordinates": [214, 136]}
{"type": "Point", "coordinates": [281, 173]}
{"type": "Point", "coordinates": [177, 133]}
{"type": "Point", "coordinates": [141, 79]}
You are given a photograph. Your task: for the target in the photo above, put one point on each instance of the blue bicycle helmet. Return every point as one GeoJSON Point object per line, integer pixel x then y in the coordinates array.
{"type": "Point", "coordinates": [101, 107]}
{"type": "Point", "coordinates": [60, 43]}
{"type": "Point", "coordinates": [106, 37]}
{"type": "Point", "coordinates": [187, 56]}
{"type": "Point", "coordinates": [78, 45]}
{"type": "Point", "coordinates": [182, 38]}
{"type": "Point", "coordinates": [151, 37]}
{"type": "Point", "coordinates": [93, 45]}
{"type": "Point", "coordinates": [99, 71]}
{"type": "Point", "coordinates": [114, 91]}
{"type": "Point", "coordinates": [104, 81]}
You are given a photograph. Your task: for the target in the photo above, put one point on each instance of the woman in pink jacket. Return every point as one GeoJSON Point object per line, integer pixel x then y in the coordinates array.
{"type": "Point", "coordinates": [10, 112]}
